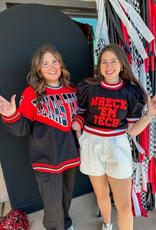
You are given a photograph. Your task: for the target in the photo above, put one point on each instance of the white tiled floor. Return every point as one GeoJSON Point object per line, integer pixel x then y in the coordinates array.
{"type": "Point", "coordinates": [84, 213]}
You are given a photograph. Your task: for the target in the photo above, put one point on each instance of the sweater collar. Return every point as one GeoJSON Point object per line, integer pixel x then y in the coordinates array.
{"type": "Point", "coordinates": [52, 87]}
{"type": "Point", "coordinates": [112, 86]}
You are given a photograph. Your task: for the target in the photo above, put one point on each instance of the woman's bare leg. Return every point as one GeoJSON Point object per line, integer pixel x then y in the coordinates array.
{"type": "Point", "coordinates": [101, 189]}
{"type": "Point", "coordinates": [121, 189]}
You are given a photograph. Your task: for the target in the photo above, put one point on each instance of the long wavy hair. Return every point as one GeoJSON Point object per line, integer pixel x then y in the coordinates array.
{"type": "Point", "coordinates": [126, 73]}
{"type": "Point", "coordinates": [35, 77]}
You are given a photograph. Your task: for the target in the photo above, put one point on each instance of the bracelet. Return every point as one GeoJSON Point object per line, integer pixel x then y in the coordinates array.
{"type": "Point", "coordinates": [149, 115]}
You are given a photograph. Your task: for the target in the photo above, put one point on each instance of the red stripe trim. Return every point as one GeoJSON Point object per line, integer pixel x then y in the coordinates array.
{"type": "Point", "coordinates": [129, 121]}
{"type": "Point", "coordinates": [103, 130]}
{"type": "Point", "coordinates": [99, 129]}
{"type": "Point", "coordinates": [112, 86]}
{"type": "Point", "coordinates": [80, 120]}
{"type": "Point", "coordinates": [13, 118]}
{"type": "Point", "coordinates": [104, 134]}
{"type": "Point", "coordinates": [132, 120]}
{"type": "Point", "coordinates": [56, 169]}
{"type": "Point", "coordinates": [56, 166]}
{"type": "Point", "coordinates": [80, 123]}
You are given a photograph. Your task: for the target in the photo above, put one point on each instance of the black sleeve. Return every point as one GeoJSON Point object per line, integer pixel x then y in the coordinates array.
{"type": "Point", "coordinates": [19, 127]}
{"type": "Point", "coordinates": [136, 103]}
{"type": "Point", "coordinates": [82, 96]}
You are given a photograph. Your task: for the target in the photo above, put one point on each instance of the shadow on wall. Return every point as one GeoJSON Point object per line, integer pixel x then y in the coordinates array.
{"type": "Point", "coordinates": [23, 29]}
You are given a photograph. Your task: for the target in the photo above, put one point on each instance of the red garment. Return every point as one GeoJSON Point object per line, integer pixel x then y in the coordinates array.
{"type": "Point", "coordinates": [152, 7]}
{"type": "Point", "coordinates": [48, 126]}
{"type": "Point", "coordinates": [152, 174]}
{"type": "Point", "coordinates": [137, 208]}
{"type": "Point", "coordinates": [154, 22]}
{"type": "Point", "coordinates": [144, 142]}
{"type": "Point", "coordinates": [147, 62]}
{"type": "Point", "coordinates": [15, 220]}
{"type": "Point", "coordinates": [126, 37]}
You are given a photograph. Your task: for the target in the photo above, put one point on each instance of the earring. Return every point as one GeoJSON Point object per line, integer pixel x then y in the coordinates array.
{"type": "Point", "coordinates": [121, 69]}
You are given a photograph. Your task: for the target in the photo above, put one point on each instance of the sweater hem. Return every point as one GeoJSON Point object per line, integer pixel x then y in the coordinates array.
{"type": "Point", "coordinates": [56, 169]}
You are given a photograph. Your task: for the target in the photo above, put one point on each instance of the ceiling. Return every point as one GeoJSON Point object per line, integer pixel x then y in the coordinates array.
{"type": "Point", "coordinates": [76, 8]}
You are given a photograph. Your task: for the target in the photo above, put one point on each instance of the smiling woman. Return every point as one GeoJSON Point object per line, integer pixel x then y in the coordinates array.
{"type": "Point", "coordinates": [111, 105]}
{"type": "Point", "coordinates": [45, 116]}
{"type": "Point", "coordinates": [110, 67]}
{"type": "Point", "coordinates": [51, 70]}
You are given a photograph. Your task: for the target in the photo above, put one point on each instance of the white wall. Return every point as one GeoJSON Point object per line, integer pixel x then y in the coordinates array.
{"type": "Point", "coordinates": [3, 190]}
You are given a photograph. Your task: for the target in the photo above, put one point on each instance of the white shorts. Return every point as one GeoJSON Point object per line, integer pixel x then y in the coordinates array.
{"type": "Point", "coordinates": [105, 155]}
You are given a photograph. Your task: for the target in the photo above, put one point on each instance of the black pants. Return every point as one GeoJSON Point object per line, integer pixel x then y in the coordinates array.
{"type": "Point", "coordinates": [56, 192]}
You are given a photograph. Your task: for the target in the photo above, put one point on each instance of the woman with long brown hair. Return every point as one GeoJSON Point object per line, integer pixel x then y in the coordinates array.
{"type": "Point", "coordinates": [110, 105]}
{"type": "Point", "coordinates": [45, 113]}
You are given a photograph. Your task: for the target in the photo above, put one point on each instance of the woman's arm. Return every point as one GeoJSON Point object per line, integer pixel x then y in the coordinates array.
{"type": "Point", "coordinates": [77, 128]}
{"type": "Point", "coordinates": [139, 126]}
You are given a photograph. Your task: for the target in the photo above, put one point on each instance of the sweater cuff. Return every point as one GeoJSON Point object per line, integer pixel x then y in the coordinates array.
{"type": "Point", "coordinates": [11, 119]}
{"type": "Point", "coordinates": [132, 120]}
{"type": "Point", "coordinates": [80, 120]}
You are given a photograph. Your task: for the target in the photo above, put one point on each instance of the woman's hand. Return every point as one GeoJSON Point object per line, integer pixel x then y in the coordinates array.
{"type": "Point", "coordinates": [75, 126]}
{"type": "Point", "coordinates": [136, 128]}
{"type": "Point", "coordinates": [7, 108]}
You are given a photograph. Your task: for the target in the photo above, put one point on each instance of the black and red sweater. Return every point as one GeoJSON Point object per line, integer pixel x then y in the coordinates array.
{"type": "Point", "coordinates": [48, 126]}
{"type": "Point", "coordinates": [106, 109]}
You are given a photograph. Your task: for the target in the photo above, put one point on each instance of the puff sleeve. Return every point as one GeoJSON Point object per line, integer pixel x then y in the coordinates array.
{"type": "Point", "coordinates": [82, 97]}
{"type": "Point", "coordinates": [136, 103]}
